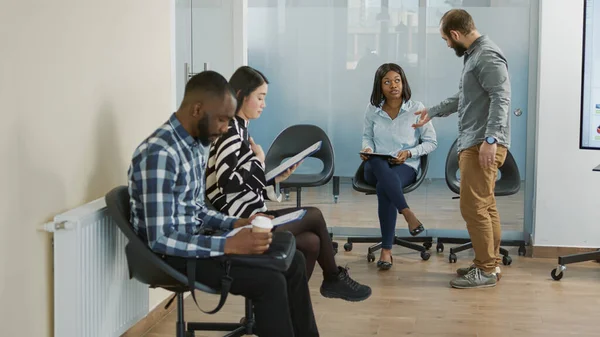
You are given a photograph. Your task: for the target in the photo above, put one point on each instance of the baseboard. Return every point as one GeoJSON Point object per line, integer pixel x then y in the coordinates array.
{"type": "Point", "coordinates": [153, 317]}
{"type": "Point", "coordinates": [555, 252]}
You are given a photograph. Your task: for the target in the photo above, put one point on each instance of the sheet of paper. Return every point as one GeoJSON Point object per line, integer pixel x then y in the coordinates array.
{"type": "Point", "coordinates": [281, 220]}
{"type": "Point", "coordinates": [293, 161]}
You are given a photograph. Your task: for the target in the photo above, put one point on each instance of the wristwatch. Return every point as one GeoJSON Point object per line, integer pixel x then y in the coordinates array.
{"type": "Point", "coordinates": [491, 140]}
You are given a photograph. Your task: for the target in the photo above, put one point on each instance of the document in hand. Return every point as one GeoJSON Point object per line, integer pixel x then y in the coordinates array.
{"type": "Point", "coordinates": [293, 161]}
{"type": "Point", "coordinates": [384, 155]}
{"type": "Point", "coordinates": [278, 221]}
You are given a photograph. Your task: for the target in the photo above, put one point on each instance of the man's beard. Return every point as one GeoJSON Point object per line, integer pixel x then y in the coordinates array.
{"type": "Point", "coordinates": [459, 49]}
{"type": "Point", "coordinates": [204, 131]}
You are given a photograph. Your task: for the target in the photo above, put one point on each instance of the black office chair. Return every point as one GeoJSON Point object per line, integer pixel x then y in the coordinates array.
{"type": "Point", "coordinates": [148, 268]}
{"type": "Point", "coordinates": [360, 185]}
{"type": "Point", "coordinates": [294, 140]}
{"type": "Point", "coordinates": [508, 184]}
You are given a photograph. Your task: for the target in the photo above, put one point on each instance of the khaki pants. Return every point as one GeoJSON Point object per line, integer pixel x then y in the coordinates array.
{"type": "Point", "coordinates": [478, 206]}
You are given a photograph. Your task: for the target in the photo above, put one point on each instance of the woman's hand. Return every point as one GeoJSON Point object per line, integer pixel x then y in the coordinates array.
{"type": "Point", "coordinates": [287, 173]}
{"type": "Point", "coordinates": [258, 150]}
{"type": "Point", "coordinates": [368, 150]}
{"type": "Point", "coordinates": [400, 158]}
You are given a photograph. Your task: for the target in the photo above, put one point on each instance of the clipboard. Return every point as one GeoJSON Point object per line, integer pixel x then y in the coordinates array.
{"type": "Point", "coordinates": [372, 154]}
{"type": "Point", "coordinates": [293, 161]}
{"type": "Point", "coordinates": [278, 221]}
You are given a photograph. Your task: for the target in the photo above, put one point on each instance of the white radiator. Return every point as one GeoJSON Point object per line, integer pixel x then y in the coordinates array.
{"type": "Point", "coordinates": [93, 295]}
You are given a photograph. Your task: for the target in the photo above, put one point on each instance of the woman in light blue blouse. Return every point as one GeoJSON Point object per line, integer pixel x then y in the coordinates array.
{"type": "Point", "coordinates": [388, 129]}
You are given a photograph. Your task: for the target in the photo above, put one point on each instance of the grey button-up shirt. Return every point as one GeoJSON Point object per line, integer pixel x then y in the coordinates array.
{"type": "Point", "coordinates": [483, 98]}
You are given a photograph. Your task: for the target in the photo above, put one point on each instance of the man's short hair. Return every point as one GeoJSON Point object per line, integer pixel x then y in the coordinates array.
{"type": "Point", "coordinates": [210, 82]}
{"type": "Point", "coordinates": [459, 20]}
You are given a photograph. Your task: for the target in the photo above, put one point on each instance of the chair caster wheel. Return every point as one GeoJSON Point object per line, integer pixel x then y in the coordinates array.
{"type": "Point", "coordinates": [506, 260]}
{"type": "Point", "coordinates": [522, 251]}
{"type": "Point", "coordinates": [287, 196]}
{"type": "Point", "coordinates": [558, 273]}
{"type": "Point", "coordinates": [439, 247]}
{"type": "Point", "coordinates": [452, 258]}
{"type": "Point", "coordinates": [370, 257]}
{"type": "Point", "coordinates": [335, 199]}
{"type": "Point", "coordinates": [425, 256]}
{"type": "Point", "coordinates": [427, 245]}
{"type": "Point", "coordinates": [348, 246]}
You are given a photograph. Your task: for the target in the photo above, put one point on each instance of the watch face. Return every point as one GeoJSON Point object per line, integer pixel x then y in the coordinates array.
{"type": "Point", "coordinates": [490, 140]}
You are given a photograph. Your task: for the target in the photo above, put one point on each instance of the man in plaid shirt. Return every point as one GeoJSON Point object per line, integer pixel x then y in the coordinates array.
{"type": "Point", "coordinates": [166, 185]}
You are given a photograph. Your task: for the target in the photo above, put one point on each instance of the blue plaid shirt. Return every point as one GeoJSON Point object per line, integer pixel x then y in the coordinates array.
{"type": "Point", "coordinates": [166, 185]}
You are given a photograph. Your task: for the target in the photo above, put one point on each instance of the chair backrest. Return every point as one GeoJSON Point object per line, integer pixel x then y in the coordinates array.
{"type": "Point", "coordinates": [508, 184]}
{"type": "Point", "coordinates": [359, 183]}
{"type": "Point", "coordinates": [296, 139]}
{"type": "Point", "coordinates": [144, 265]}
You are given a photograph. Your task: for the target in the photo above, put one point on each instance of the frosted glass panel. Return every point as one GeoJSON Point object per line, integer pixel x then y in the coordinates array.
{"type": "Point", "coordinates": [321, 60]}
{"type": "Point", "coordinates": [320, 57]}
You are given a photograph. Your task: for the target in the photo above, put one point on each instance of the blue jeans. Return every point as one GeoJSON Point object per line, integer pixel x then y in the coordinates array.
{"type": "Point", "coordinates": [389, 181]}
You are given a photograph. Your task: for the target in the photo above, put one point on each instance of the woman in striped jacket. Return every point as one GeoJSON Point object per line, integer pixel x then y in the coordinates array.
{"type": "Point", "coordinates": [236, 185]}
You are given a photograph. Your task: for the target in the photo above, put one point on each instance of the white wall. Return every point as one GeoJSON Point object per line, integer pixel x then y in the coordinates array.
{"type": "Point", "coordinates": [567, 203]}
{"type": "Point", "coordinates": [81, 84]}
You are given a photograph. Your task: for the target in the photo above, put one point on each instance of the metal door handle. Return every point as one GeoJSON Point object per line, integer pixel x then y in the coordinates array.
{"type": "Point", "coordinates": [518, 112]}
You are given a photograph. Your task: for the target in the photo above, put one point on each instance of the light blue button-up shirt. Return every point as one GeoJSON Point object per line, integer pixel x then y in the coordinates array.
{"type": "Point", "coordinates": [385, 135]}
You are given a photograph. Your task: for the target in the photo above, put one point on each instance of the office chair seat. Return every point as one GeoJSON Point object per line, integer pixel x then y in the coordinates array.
{"type": "Point", "coordinates": [360, 184]}
{"type": "Point", "coordinates": [149, 268]}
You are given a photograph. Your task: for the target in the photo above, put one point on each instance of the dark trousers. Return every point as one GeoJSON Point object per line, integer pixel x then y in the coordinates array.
{"type": "Point", "coordinates": [282, 304]}
{"type": "Point", "coordinates": [389, 181]}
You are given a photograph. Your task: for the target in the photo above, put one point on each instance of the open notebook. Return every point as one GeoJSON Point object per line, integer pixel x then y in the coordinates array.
{"type": "Point", "coordinates": [278, 221]}
{"type": "Point", "coordinates": [293, 161]}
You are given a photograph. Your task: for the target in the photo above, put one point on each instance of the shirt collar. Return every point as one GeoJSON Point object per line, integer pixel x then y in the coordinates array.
{"type": "Point", "coordinates": [242, 122]}
{"type": "Point", "coordinates": [181, 132]}
{"type": "Point", "coordinates": [476, 44]}
{"type": "Point", "coordinates": [403, 108]}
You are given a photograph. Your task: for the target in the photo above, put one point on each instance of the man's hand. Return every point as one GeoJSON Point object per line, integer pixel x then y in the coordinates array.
{"type": "Point", "coordinates": [246, 221]}
{"type": "Point", "coordinates": [248, 242]}
{"type": "Point", "coordinates": [258, 150]}
{"type": "Point", "coordinates": [400, 158]}
{"type": "Point", "coordinates": [423, 119]}
{"type": "Point", "coordinates": [368, 150]}
{"type": "Point", "coordinates": [287, 173]}
{"type": "Point", "coordinates": [487, 154]}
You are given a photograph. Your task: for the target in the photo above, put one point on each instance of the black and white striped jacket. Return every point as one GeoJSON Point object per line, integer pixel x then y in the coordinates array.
{"type": "Point", "coordinates": [235, 177]}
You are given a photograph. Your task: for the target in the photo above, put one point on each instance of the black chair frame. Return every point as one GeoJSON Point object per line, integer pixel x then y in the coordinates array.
{"type": "Point", "coordinates": [149, 268]}
{"type": "Point", "coordinates": [359, 184]}
{"type": "Point", "coordinates": [508, 184]}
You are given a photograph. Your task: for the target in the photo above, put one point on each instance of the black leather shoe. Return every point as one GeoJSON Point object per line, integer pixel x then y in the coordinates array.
{"type": "Point", "coordinates": [384, 265]}
{"type": "Point", "coordinates": [420, 229]}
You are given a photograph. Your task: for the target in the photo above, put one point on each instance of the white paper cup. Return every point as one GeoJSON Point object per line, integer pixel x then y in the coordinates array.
{"type": "Point", "coordinates": [262, 224]}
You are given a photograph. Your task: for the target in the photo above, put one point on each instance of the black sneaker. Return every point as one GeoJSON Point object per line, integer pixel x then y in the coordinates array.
{"type": "Point", "coordinates": [345, 288]}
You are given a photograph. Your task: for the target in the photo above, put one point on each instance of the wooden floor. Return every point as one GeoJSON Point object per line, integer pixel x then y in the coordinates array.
{"type": "Point", "coordinates": [432, 202]}
{"type": "Point", "coordinates": [414, 298]}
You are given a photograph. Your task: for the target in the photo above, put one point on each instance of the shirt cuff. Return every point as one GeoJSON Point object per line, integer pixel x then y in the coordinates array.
{"type": "Point", "coordinates": [228, 222]}
{"type": "Point", "coordinates": [217, 246]}
{"type": "Point", "coordinates": [271, 191]}
{"type": "Point", "coordinates": [413, 153]}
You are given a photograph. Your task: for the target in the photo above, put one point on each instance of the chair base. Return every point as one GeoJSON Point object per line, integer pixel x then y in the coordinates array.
{"type": "Point", "coordinates": [245, 327]}
{"type": "Point", "coordinates": [404, 242]}
{"type": "Point", "coordinates": [467, 244]}
{"type": "Point", "coordinates": [558, 272]}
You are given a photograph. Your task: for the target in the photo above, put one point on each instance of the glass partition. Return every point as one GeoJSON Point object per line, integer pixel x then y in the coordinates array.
{"type": "Point", "coordinates": [320, 57]}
